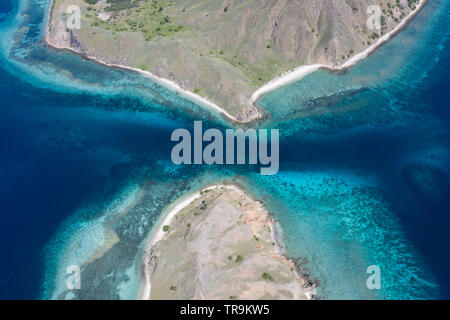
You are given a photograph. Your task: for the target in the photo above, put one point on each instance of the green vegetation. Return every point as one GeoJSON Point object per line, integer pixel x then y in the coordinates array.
{"type": "Point", "coordinates": [173, 288]}
{"type": "Point", "coordinates": [255, 237]}
{"type": "Point", "coordinates": [257, 73]}
{"type": "Point", "coordinates": [412, 4]}
{"type": "Point", "coordinates": [166, 228]}
{"type": "Point", "coordinates": [143, 66]}
{"type": "Point", "coordinates": [374, 35]}
{"type": "Point", "coordinates": [267, 276]}
{"type": "Point", "coordinates": [239, 258]}
{"type": "Point", "coordinates": [118, 5]}
{"type": "Point", "coordinates": [147, 17]}
{"type": "Point", "coordinates": [197, 90]}
{"type": "Point", "coordinates": [353, 8]}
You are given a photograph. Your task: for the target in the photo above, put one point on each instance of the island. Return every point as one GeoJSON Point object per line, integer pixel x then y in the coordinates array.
{"type": "Point", "coordinates": [219, 243]}
{"type": "Point", "coordinates": [225, 54]}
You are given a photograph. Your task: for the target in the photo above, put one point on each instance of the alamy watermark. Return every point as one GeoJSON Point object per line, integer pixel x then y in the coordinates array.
{"type": "Point", "coordinates": [73, 281]}
{"type": "Point", "coordinates": [235, 147]}
{"type": "Point", "coordinates": [374, 280]}
{"type": "Point", "coordinates": [374, 20]}
{"type": "Point", "coordinates": [73, 22]}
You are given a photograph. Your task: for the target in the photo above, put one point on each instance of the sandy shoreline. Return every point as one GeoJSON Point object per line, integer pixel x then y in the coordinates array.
{"type": "Point", "coordinates": [302, 71]}
{"type": "Point", "coordinates": [287, 78]}
{"type": "Point", "coordinates": [168, 215]}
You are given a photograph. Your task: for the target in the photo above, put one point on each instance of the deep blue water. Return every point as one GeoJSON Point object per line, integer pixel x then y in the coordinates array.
{"type": "Point", "coordinates": [5, 7]}
{"type": "Point", "coordinates": [367, 184]}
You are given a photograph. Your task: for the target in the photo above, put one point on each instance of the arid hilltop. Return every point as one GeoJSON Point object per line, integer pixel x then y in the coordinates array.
{"type": "Point", "coordinates": [221, 245]}
{"type": "Point", "coordinates": [222, 50]}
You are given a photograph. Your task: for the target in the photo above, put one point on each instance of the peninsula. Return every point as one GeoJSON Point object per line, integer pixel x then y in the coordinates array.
{"type": "Point", "coordinates": [219, 243]}
{"type": "Point", "coordinates": [225, 54]}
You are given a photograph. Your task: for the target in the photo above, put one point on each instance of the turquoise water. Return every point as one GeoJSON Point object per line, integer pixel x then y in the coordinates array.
{"type": "Point", "coordinates": [364, 166]}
